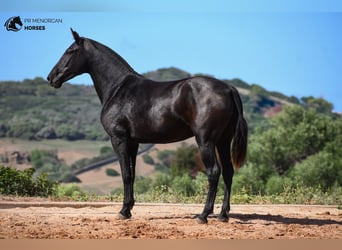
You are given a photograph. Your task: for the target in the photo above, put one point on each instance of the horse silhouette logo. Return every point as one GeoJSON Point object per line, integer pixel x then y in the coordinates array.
{"type": "Point", "coordinates": [14, 24]}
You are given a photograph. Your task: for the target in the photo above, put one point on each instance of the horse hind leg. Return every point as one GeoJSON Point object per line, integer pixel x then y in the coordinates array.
{"type": "Point", "coordinates": [207, 151]}
{"type": "Point", "coordinates": [223, 149]}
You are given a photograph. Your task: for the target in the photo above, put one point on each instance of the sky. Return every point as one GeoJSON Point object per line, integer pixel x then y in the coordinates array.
{"type": "Point", "coordinates": [294, 47]}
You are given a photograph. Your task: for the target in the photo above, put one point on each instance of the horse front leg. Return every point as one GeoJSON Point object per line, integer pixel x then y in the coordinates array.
{"type": "Point", "coordinates": [126, 151]}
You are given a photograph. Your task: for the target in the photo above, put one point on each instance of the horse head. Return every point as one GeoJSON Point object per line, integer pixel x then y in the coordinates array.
{"type": "Point", "coordinates": [71, 64]}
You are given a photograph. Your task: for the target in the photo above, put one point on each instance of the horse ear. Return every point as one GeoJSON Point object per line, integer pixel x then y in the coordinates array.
{"type": "Point", "coordinates": [76, 36]}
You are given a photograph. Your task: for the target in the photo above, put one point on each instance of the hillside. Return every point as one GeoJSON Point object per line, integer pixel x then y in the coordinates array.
{"type": "Point", "coordinates": [59, 132]}
{"type": "Point", "coordinates": [33, 110]}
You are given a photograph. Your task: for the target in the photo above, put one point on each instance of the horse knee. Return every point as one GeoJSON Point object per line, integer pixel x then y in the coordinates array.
{"type": "Point", "coordinates": [213, 173]}
{"type": "Point", "coordinates": [127, 179]}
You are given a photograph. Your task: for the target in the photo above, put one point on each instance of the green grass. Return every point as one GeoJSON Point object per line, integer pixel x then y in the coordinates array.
{"type": "Point", "coordinates": [299, 195]}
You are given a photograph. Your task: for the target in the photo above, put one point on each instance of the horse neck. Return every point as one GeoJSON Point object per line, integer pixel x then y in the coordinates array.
{"type": "Point", "coordinates": [107, 70]}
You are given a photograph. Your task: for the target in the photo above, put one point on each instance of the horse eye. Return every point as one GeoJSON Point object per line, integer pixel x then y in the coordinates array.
{"type": "Point", "coordinates": [71, 50]}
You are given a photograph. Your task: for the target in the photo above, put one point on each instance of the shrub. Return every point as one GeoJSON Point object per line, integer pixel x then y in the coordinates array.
{"type": "Point", "coordinates": [22, 183]}
{"type": "Point", "coordinates": [112, 172]}
{"type": "Point", "coordinates": [142, 184]}
{"type": "Point", "coordinates": [106, 151]}
{"type": "Point", "coordinates": [184, 161]}
{"type": "Point", "coordinates": [166, 157]}
{"type": "Point", "coordinates": [71, 191]}
{"type": "Point", "coordinates": [148, 159]}
{"type": "Point", "coordinates": [252, 178]}
{"type": "Point", "coordinates": [183, 185]}
{"type": "Point", "coordinates": [161, 180]}
{"type": "Point", "coordinates": [318, 170]}
{"type": "Point", "coordinates": [44, 161]}
{"type": "Point", "coordinates": [274, 185]}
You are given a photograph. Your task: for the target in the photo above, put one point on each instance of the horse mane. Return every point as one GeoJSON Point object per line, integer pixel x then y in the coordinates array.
{"type": "Point", "coordinates": [113, 55]}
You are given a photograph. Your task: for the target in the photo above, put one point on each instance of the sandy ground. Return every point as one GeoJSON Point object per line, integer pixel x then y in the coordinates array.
{"type": "Point", "coordinates": [60, 220]}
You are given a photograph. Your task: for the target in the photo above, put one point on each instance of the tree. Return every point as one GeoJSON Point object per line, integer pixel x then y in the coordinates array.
{"type": "Point", "coordinates": [293, 135]}
{"type": "Point", "coordinates": [318, 104]}
{"type": "Point", "coordinates": [323, 169]}
{"type": "Point", "coordinates": [184, 161]}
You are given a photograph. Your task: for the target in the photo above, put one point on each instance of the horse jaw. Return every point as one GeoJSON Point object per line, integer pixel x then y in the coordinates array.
{"type": "Point", "coordinates": [56, 80]}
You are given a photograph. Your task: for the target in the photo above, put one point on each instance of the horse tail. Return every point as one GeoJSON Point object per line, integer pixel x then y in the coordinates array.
{"type": "Point", "coordinates": [239, 143]}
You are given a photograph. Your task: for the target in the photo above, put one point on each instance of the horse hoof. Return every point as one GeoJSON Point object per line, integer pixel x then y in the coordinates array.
{"type": "Point", "coordinates": [222, 218]}
{"type": "Point", "coordinates": [201, 220]}
{"type": "Point", "coordinates": [123, 217]}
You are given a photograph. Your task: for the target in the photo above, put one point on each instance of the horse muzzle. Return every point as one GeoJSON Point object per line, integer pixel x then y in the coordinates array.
{"type": "Point", "coordinates": [56, 78]}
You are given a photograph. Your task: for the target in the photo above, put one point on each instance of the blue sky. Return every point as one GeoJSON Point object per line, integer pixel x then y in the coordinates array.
{"type": "Point", "coordinates": [294, 47]}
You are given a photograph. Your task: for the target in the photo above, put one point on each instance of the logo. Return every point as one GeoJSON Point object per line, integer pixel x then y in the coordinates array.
{"type": "Point", "coordinates": [30, 23]}
{"type": "Point", "coordinates": [14, 24]}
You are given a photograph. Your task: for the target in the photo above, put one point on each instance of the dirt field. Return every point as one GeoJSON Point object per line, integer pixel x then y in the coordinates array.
{"type": "Point", "coordinates": [95, 181]}
{"type": "Point", "coordinates": [57, 220]}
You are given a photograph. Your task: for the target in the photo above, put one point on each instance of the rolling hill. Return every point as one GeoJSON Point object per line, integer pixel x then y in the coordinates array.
{"type": "Point", "coordinates": [31, 109]}
{"type": "Point", "coordinates": [34, 115]}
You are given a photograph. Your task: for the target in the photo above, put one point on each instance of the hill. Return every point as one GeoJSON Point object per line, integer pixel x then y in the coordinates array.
{"type": "Point", "coordinates": [32, 110]}
{"type": "Point", "coordinates": [65, 124]}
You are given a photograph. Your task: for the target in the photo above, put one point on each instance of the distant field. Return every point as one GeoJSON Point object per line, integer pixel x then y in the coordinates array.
{"type": "Point", "coordinates": [70, 151]}
{"type": "Point", "coordinates": [80, 145]}
{"type": "Point", "coordinates": [94, 181]}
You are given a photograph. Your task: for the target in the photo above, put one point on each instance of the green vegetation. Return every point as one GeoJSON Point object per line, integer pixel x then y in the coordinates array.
{"type": "Point", "coordinates": [47, 162]}
{"type": "Point", "coordinates": [112, 172]}
{"type": "Point", "coordinates": [182, 189]}
{"type": "Point", "coordinates": [70, 192]}
{"type": "Point", "coordinates": [294, 154]}
{"type": "Point", "coordinates": [296, 158]}
{"type": "Point", "coordinates": [105, 153]}
{"type": "Point", "coordinates": [166, 74]}
{"type": "Point", "coordinates": [148, 159]}
{"type": "Point", "coordinates": [299, 146]}
{"type": "Point", "coordinates": [22, 183]}
{"type": "Point", "coordinates": [33, 110]}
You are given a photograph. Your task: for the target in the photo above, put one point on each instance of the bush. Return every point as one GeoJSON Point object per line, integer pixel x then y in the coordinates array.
{"type": "Point", "coordinates": [71, 191]}
{"type": "Point", "coordinates": [44, 161]}
{"type": "Point", "coordinates": [148, 159]}
{"type": "Point", "coordinates": [106, 151]}
{"type": "Point", "coordinates": [161, 180]}
{"type": "Point", "coordinates": [274, 185]}
{"type": "Point", "coordinates": [184, 161]}
{"type": "Point", "coordinates": [142, 184]}
{"type": "Point", "coordinates": [318, 170]}
{"type": "Point", "coordinates": [183, 185]}
{"type": "Point", "coordinates": [293, 135]}
{"type": "Point", "coordinates": [252, 178]}
{"type": "Point", "coordinates": [166, 157]}
{"type": "Point", "coordinates": [22, 183]}
{"type": "Point", "coordinates": [112, 172]}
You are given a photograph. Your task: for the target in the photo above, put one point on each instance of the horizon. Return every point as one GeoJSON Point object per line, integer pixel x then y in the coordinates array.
{"type": "Point", "coordinates": [223, 79]}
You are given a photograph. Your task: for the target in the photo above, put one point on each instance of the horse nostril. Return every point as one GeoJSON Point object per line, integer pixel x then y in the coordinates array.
{"type": "Point", "coordinates": [48, 78]}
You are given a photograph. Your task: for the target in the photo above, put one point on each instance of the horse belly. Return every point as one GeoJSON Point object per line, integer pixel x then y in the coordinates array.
{"type": "Point", "coordinates": [162, 133]}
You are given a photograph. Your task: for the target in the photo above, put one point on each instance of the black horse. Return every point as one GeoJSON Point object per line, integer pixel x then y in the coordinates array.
{"type": "Point", "coordinates": [138, 110]}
